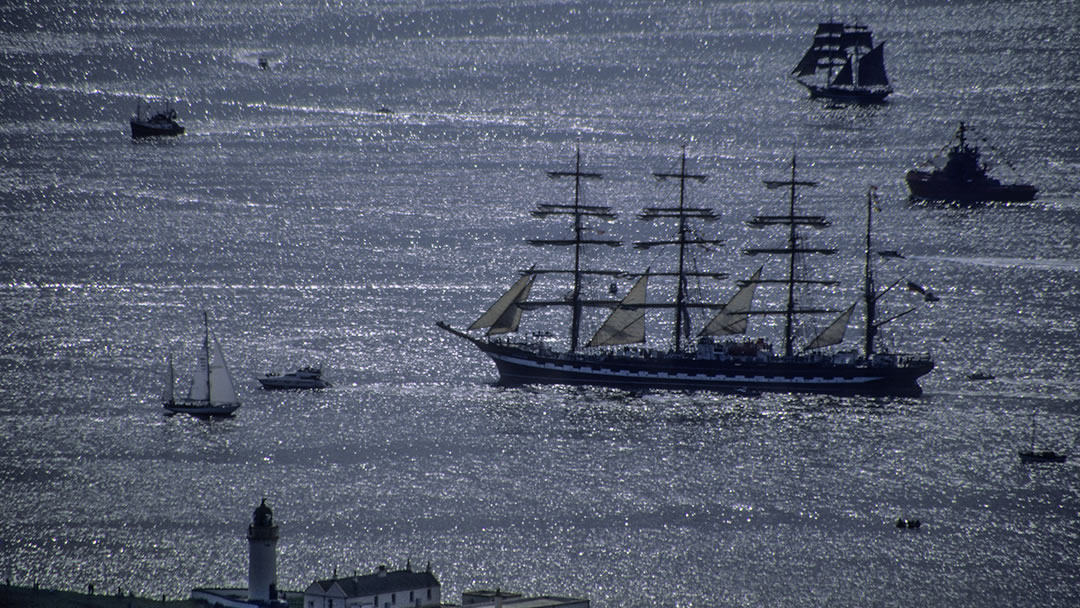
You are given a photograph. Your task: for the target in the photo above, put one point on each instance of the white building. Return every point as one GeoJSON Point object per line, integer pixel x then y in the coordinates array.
{"type": "Point", "coordinates": [262, 589]}
{"type": "Point", "coordinates": [381, 589]}
{"type": "Point", "coordinates": [262, 555]}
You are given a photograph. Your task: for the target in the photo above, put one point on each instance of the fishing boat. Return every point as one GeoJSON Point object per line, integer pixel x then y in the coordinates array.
{"type": "Point", "coordinates": [212, 391]}
{"type": "Point", "coordinates": [305, 377]}
{"type": "Point", "coordinates": [1033, 455]}
{"type": "Point", "coordinates": [964, 178]}
{"type": "Point", "coordinates": [721, 358]}
{"type": "Point", "coordinates": [843, 64]}
{"type": "Point", "coordinates": [144, 124]}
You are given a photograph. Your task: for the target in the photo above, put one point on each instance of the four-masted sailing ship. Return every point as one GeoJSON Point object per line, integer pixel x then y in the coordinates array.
{"type": "Point", "coordinates": [721, 357]}
{"type": "Point", "coordinates": [844, 64]}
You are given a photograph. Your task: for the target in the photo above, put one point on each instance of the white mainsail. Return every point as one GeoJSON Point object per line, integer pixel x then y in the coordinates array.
{"type": "Point", "coordinates": [625, 324]}
{"type": "Point", "coordinates": [732, 319]}
{"type": "Point", "coordinates": [212, 391]}
{"type": "Point", "coordinates": [505, 315]}
{"type": "Point", "coordinates": [221, 384]}
{"type": "Point", "coordinates": [200, 380]}
{"type": "Point", "coordinates": [834, 333]}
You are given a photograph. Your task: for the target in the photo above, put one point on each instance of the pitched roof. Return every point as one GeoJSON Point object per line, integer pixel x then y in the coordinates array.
{"type": "Point", "coordinates": [379, 583]}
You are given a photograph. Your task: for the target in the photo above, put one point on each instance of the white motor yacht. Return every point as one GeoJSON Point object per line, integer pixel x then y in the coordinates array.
{"type": "Point", "coordinates": [305, 377]}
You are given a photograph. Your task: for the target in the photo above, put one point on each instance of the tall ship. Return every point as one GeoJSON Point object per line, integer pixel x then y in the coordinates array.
{"type": "Point", "coordinates": [718, 356]}
{"type": "Point", "coordinates": [844, 64]}
{"type": "Point", "coordinates": [964, 178]}
{"type": "Point", "coordinates": [212, 391]}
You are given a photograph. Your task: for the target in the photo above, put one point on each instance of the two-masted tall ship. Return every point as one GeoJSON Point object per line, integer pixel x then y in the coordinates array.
{"type": "Point", "coordinates": [844, 64]}
{"type": "Point", "coordinates": [720, 357]}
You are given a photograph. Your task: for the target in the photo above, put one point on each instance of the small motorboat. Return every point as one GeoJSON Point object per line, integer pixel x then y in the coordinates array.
{"type": "Point", "coordinates": [160, 123]}
{"type": "Point", "coordinates": [305, 377]}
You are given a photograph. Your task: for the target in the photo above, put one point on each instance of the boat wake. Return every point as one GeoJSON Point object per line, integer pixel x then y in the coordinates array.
{"type": "Point", "coordinates": [1072, 265]}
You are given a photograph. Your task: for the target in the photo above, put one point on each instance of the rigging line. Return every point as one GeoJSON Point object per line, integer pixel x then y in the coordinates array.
{"type": "Point", "coordinates": [673, 167]}
{"type": "Point", "coordinates": [656, 256]}
{"type": "Point", "coordinates": [938, 154]}
{"type": "Point", "coordinates": [702, 313]}
{"type": "Point", "coordinates": [998, 155]}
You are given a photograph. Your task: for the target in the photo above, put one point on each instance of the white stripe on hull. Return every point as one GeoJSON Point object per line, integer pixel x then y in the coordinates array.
{"type": "Point", "coordinates": [584, 373]}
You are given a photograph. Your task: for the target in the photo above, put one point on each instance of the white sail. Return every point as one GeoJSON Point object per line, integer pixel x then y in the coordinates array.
{"type": "Point", "coordinates": [625, 324]}
{"type": "Point", "coordinates": [200, 380]}
{"type": "Point", "coordinates": [170, 381]}
{"type": "Point", "coordinates": [732, 319]}
{"type": "Point", "coordinates": [834, 333]}
{"type": "Point", "coordinates": [510, 318]}
{"type": "Point", "coordinates": [221, 385]}
{"type": "Point", "coordinates": [504, 315]}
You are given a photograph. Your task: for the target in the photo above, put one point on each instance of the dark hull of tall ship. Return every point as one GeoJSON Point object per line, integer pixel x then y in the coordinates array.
{"type": "Point", "coordinates": [154, 128]}
{"type": "Point", "coordinates": [893, 375]}
{"type": "Point", "coordinates": [848, 93]}
{"type": "Point", "coordinates": [933, 186]}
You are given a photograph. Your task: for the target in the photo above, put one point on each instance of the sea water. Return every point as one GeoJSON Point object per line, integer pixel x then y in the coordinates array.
{"type": "Point", "coordinates": [378, 176]}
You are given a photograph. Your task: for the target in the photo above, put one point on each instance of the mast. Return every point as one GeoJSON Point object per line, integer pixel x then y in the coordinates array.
{"type": "Point", "coordinates": [575, 324]}
{"type": "Point", "coordinates": [789, 316]}
{"type": "Point", "coordinates": [792, 221]}
{"type": "Point", "coordinates": [206, 353]}
{"type": "Point", "coordinates": [1033, 431]}
{"type": "Point", "coordinates": [683, 214]}
{"type": "Point", "coordinates": [870, 294]}
{"type": "Point", "coordinates": [579, 212]}
{"type": "Point", "coordinates": [170, 382]}
{"type": "Point", "coordinates": [868, 284]}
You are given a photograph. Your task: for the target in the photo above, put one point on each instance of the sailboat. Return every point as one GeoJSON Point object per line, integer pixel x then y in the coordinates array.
{"type": "Point", "coordinates": [212, 392]}
{"type": "Point", "coordinates": [721, 358]}
{"type": "Point", "coordinates": [1031, 455]}
{"type": "Point", "coordinates": [844, 64]}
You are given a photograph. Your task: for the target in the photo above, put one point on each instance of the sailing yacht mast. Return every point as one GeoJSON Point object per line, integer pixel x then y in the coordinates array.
{"type": "Point", "coordinates": [168, 397]}
{"type": "Point", "coordinates": [206, 355]}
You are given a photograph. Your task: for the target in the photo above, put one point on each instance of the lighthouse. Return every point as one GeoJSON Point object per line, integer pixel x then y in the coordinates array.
{"type": "Point", "coordinates": [262, 555]}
